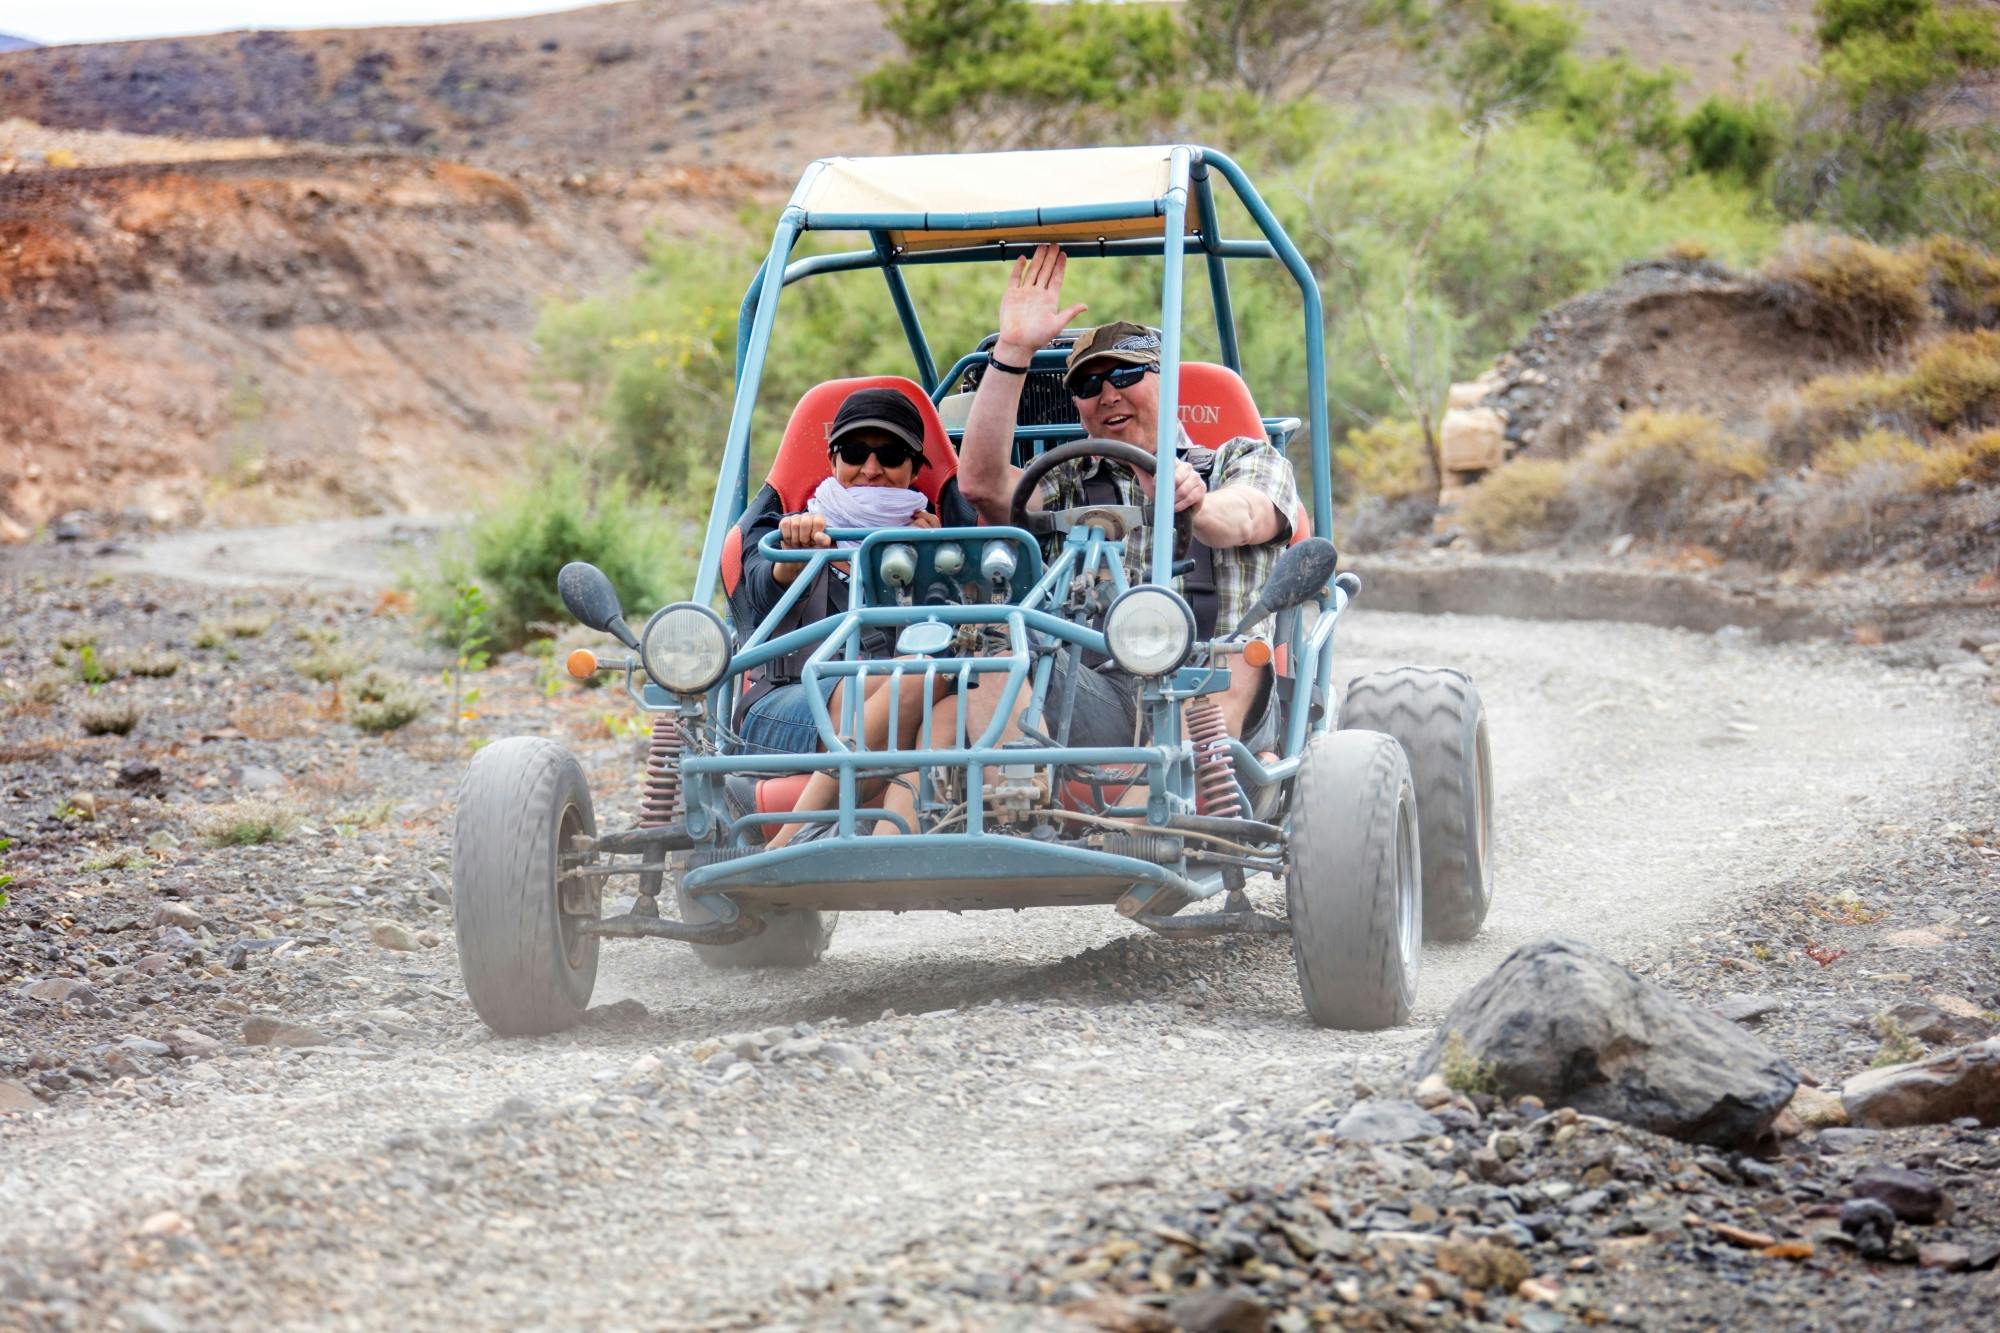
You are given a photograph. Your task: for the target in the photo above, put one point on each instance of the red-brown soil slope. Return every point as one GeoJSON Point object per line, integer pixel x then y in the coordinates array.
{"type": "Point", "coordinates": [257, 338]}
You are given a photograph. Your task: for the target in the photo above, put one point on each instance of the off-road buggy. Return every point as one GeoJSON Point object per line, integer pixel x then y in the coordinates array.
{"type": "Point", "coordinates": [1377, 819]}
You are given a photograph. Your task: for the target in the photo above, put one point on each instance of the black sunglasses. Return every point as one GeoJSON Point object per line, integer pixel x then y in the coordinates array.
{"type": "Point", "coordinates": [854, 453]}
{"type": "Point", "coordinates": [1089, 386]}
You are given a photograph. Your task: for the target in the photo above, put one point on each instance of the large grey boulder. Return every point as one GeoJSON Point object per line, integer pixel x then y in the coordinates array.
{"type": "Point", "coordinates": [1559, 1020]}
{"type": "Point", "coordinates": [1944, 1087]}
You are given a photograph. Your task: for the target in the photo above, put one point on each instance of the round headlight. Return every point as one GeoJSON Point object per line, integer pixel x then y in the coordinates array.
{"type": "Point", "coordinates": [1149, 630]}
{"type": "Point", "coordinates": [685, 648]}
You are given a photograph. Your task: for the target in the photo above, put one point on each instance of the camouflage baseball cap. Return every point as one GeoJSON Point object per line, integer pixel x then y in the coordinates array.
{"type": "Point", "coordinates": [1124, 342]}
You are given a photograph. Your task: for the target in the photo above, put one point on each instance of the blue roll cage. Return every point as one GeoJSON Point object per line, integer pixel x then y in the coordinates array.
{"type": "Point", "coordinates": [1029, 617]}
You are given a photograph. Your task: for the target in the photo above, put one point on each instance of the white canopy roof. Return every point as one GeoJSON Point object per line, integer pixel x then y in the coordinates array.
{"type": "Point", "coordinates": [989, 183]}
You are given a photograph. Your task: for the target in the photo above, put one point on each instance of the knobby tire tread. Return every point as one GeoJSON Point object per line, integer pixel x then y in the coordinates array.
{"type": "Point", "coordinates": [503, 866]}
{"type": "Point", "coordinates": [1435, 713]}
{"type": "Point", "coordinates": [1341, 891]}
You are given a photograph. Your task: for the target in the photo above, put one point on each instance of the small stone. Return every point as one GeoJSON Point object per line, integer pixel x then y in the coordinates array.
{"type": "Point", "coordinates": [1746, 1008]}
{"type": "Point", "coordinates": [1942, 1255]}
{"type": "Point", "coordinates": [1538, 1289]}
{"type": "Point", "coordinates": [1220, 1310]}
{"type": "Point", "coordinates": [393, 935]}
{"type": "Point", "coordinates": [1817, 1108]}
{"type": "Point", "coordinates": [16, 1097]}
{"type": "Point", "coordinates": [1432, 1092]}
{"type": "Point", "coordinates": [1910, 1195]}
{"type": "Point", "coordinates": [1383, 1121]}
{"type": "Point", "coordinates": [165, 1223]}
{"type": "Point", "coordinates": [177, 914]}
{"type": "Point", "coordinates": [256, 777]}
{"type": "Point", "coordinates": [265, 1031]}
{"type": "Point", "coordinates": [59, 990]}
{"type": "Point", "coordinates": [145, 1317]}
{"type": "Point", "coordinates": [1742, 1238]}
{"type": "Point", "coordinates": [137, 773]}
{"type": "Point", "coordinates": [187, 1044]}
{"type": "Point", "coordinates": [144, 1046]}
{"type": "Point", "coordinates": [1870, 1223]}
{"type": "Point", "coordinates": [82, 804]}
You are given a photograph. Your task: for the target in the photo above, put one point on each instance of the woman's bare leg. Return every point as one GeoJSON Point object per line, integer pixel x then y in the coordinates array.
{"type": "Point", "coordinates": [822, 789]}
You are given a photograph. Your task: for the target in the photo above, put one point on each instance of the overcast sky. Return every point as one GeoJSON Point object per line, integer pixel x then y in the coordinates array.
{"type": "Point", "coordinates": [54, 21]}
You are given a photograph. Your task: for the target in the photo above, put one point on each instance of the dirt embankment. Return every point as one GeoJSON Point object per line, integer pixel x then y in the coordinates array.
{"type": "Point", "coordinates": [277, 337]}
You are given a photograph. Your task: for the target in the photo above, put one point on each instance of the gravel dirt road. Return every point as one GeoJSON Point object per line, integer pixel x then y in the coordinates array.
{"type": "Point", "coordinates": [712, 1147]}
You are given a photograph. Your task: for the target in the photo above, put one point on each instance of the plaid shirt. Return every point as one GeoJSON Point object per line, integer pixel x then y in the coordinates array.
{"type": "Point", "coordinates": [1240, 571]}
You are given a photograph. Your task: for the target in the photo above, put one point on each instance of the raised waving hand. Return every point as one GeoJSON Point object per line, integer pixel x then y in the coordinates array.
{"type": "Point", "coordinates": [1031, 309]}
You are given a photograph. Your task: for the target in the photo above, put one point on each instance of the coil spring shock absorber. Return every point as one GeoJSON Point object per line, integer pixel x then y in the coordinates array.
{"type": "Point", "coordinates": [661, 802]}
{"type": "Point", "coordinates": [1215, 790]}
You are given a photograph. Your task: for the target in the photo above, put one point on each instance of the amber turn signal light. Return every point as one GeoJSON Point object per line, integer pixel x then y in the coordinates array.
{"type": "Point", "coordinates": [583, 664]}
{"type": "Point", "coordinates": [1257, 653]}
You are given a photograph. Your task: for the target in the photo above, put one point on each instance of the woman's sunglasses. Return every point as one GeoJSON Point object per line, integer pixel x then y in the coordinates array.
{"type": "Point", "coordinates": [1089, 386]}
{"type": "Point", "coordinates": [854, 453]}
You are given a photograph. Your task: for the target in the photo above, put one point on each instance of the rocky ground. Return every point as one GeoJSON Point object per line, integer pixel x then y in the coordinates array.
{"type": "Point", "coordinates": [239, 1085]}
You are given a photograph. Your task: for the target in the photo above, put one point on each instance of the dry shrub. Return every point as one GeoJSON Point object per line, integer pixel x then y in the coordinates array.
{"type": "Point", "coordinates": [275, 717]}
{"type": "Point", "coordinates": [1956, 380]}
{"type": "Point", "coordinates": [108, 717]}
{"type": "Point", "coordinates": [1862, 297]}
{"type": "Point", "coordinates": [152, 662]}
{"type": "Point", "coordinates": [1516, 505]}
{"type": "Point", "coordinates": [1833, 406]}
{"type": "Point", "coordinates": [383, 702]}
{"type": "Point", "coordinates": [1387, 459]}
{"type": "Point", "coordinates": [1973, 460]}
{"type": "Point", "coordinates": [1657, 467]}
{"type": "Point", "coordinates": [250, 824]}
{"type": "Point", "coordinates": [1965, 283]}
{"type": "Point", "coordinates": [1876, 449]}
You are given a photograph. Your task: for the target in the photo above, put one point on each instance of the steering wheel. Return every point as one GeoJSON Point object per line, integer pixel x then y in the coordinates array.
{"type": "Point", "coordinates": [1043, 524]}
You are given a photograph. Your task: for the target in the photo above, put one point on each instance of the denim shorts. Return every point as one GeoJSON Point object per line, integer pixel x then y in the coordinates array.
{"type": "Point", "coordinates": [782, 722]}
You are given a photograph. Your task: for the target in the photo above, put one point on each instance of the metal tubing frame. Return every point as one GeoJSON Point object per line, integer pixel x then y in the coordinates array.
{"type": "Point", "coordinates": [1189, 177]}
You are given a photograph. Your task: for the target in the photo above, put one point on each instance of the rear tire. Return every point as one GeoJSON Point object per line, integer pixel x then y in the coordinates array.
{"type": "Point", "coordinates": [527, 968]}
{"type": "Point", "coordinates": [789, 939]}
{"type": "Point", "coordinates": [1438, 716]}
{"type": "Point", "coordinates": [1352, 886]}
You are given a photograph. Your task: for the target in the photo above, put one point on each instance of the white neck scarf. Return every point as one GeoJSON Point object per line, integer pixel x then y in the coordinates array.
{"type": "Point", "coordinates": [865, 506]}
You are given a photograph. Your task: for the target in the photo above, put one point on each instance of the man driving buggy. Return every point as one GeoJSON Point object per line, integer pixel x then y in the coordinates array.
{"type": "Point", "coordinates": [1241, 494]}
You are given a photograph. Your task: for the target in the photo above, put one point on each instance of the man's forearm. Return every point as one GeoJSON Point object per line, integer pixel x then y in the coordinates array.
{"type": "Point", "coordinates": [1236, 516]}
{"type": "Point", "coordinates": [986, 470]}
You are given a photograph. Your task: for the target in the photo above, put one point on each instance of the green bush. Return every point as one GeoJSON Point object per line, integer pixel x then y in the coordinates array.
{"type": "Point", "coordinates": [1734, 140]}
{"type": "Point", "coordinates": [514, 551]}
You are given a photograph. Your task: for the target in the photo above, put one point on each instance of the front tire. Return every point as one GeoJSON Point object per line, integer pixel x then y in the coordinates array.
{"type": "Point", "coordinates": [1438, 716]}
{"type": "Point", "coordinates": [1352, 886]}
{"type": "Point", "coordinates": [527, 967]}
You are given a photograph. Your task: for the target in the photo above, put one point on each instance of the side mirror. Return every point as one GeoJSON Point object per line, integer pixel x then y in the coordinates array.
{"type": "Point", "coordinates": [593, 601]}
{"type": "Point", "coordinates": [1295, 580]}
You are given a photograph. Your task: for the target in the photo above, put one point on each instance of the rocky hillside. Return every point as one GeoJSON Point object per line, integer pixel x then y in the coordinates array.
{"type": "Point", "coordinates": [762, 81]}
{"type": "Point", "coordinates": [266, 337]}
{"type": "Point", "coordinates": [766, 82]}
{"type": "Point", "coordinates": [8, 43]}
